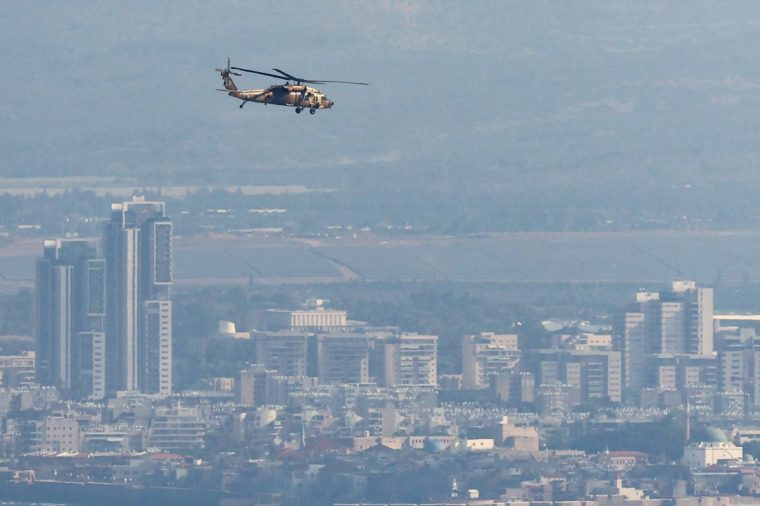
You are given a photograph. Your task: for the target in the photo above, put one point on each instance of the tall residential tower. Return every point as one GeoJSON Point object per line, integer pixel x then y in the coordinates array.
{"type": "Point", "coordinates": [70, 304]}
{"type": "Point", "coordinates": [138, 254]}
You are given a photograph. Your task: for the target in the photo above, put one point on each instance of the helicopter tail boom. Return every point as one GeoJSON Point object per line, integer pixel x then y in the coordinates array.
{"type": "Point", "coordinates": [229, 84]}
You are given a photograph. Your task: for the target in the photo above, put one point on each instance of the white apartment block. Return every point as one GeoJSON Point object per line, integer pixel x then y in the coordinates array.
{"type": "Point", "coordinates": [411, 360]}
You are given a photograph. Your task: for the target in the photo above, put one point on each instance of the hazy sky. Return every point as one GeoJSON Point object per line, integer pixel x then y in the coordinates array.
{"type": "Point", "coordinates": [98, 87]}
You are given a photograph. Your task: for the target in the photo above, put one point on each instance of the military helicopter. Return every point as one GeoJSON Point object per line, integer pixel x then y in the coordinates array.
{"type": "Point", "coordinates": [296, 95]}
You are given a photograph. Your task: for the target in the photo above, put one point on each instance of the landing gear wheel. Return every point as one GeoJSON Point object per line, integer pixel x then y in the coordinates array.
{"type": "Point", "coordinates": [298, 110]}
{"type": "Point", "coordinates": [312, 110]}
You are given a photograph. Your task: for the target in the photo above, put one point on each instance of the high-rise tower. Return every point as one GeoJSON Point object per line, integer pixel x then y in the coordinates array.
{"type": "Point", "coordinates": [138, 251]}
{"type": "Point", "coordinates": [672, 322]}
{"type": "Point", "coordinates": [70, 293]}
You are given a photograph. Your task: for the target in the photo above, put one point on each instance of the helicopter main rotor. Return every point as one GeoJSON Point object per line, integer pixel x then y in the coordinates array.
{"type": "Point", "coordinates": [299, 80]}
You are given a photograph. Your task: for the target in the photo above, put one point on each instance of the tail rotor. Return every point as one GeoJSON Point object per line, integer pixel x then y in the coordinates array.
{"type": "Point", "coordinates": [226, 71]}
{"type": "Point", "coordinates": [229, 84]}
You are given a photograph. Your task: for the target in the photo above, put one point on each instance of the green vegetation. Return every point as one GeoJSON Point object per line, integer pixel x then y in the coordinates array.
{"type": "Point", "coordinates": [448, 312]}
{"type": "Point", "coordinates": [752, 448]}
{"type": "Point", "coordinates": [198, 354]}
{"type": "Point", "coordinates": [16, 313]}
{"type": "Point", "coordinates": [661, 439]}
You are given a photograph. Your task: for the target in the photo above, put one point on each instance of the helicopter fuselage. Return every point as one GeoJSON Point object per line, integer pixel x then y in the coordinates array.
{"type": "Point", "coordinates": [291, 95]}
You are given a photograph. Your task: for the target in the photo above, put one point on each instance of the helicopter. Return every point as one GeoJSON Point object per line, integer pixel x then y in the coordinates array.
{"type": "Point", "coordinates": [296, 95]}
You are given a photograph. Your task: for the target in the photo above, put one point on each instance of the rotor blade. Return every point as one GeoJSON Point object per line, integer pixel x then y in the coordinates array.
{"type": "Point", "coordinates": [314, 81]}
{"type": "Point", "coordinates": [262, 73]}
{"type": "Point", "coordinates": [289, 76]}
{"type": "Point", "coordinates": [344, 82]}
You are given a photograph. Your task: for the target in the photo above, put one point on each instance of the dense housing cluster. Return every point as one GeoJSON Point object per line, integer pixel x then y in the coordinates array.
{"type": "Point", "coordinates": [656, 403]}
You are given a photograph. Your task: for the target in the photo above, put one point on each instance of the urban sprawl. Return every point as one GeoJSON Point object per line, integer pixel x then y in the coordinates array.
{"type": "Point", "coordinates": [660, 407]}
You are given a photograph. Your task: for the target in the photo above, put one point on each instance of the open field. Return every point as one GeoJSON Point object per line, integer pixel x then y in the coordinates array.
{"type": "Point", "coordinates": [519, 257]}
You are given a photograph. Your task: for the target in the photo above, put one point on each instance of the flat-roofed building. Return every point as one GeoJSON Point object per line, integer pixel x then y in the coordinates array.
{"type": "Point", "coordinates": [678, 371]}
{"type": "Point", "coordinates": [411, 359]}
{"type": "Point", "coordinates": [701, 455]}
{"type": "Point", "coordinates": [60, 435]}
{"type": "Point", "coordinates": [177, 429]}
{"type": "Point", "coordinates": [250, 386]}
{"type": "Point", "coordinates": [17, 370]}
{"type": "Point", "coordinates": [284, 352]}
{"type": "Point", "coordinates": [594, 374]}
{"type": "Point", "coordinates": [315, 317]}
{"type": "Point", "coordinates": [487, 355]}
{"type": "Point", "coordinates": [343, 358]}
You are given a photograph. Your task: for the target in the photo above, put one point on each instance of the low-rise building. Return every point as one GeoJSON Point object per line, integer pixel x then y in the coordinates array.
{"type": "Point", "coordinates": [59, 435]}
{"type": "Point", "coordinates": [177, 429]}
{"type": "Point", "coordinates": [705, 454]}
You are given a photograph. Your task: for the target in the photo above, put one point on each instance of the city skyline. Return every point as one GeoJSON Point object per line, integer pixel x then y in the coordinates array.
{"type": "Point", "coordinates": [518, 268]}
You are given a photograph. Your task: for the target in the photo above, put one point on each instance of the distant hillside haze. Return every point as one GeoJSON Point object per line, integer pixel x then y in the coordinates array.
{"type": "Point", "coordinates": [615, 94]}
